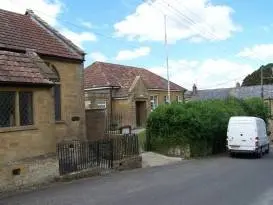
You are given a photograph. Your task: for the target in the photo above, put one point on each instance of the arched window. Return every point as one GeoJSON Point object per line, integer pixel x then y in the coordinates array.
{"type": "Point", "coordinates": [56, 91]}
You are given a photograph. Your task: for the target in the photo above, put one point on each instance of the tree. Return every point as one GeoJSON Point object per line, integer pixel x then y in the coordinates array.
{"type": "Point", "coordinates": [255, 77]}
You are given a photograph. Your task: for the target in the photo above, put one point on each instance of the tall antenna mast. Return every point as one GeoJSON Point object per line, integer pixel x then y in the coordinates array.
{"type": "Point", "coordinates": [167, 57]}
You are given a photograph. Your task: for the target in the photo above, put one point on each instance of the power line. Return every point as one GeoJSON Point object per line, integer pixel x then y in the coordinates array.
{"type": "Point", "coordinates": [188, 19]}
{"type": "Point", "coordinates": [185, 17]}
{"type": "Point", "coordinates": [224, 83]}
{"type": "Point", "coordinates": [161, 11]}
{"type": "Point", "coordinates": [167, 58]}
{"type": "Point", "coordinates": [192, 22]}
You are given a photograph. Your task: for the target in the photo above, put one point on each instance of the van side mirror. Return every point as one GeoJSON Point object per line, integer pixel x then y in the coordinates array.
{"type": "Point", "coordinates": [268, 133]}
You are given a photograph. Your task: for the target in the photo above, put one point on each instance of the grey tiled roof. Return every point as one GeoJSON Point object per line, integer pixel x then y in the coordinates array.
{"type": "Point", "coordinates": [209, 94]}
{"type": "Point", "coordinates": [241, 92]}
{"type": "Point", "coordinates": [253, 91]}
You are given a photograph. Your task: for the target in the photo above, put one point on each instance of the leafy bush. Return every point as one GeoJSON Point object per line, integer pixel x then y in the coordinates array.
{"type": "Point", "coordinates": [201, 124]}
{"type": "Point", "coordinates": [256, 107]}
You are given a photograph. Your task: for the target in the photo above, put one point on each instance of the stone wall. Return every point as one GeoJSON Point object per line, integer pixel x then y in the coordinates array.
{"type": "Point", "coordinates": [270, 128]}
{"type": "Point", "coordinates": [72, 100]}
{"type": "Point", "coordinates": [17, 143]}
{"type": "Point", "coordinates": [92, 96]}
{"type": "Point", "coordinates": [28, 173]}
{"type": "Point", "coordinates": [161, 95]}
{"type": "Point", "coordinates": [180, 151]}
{"type": "Point", "coordinates": [95, 124]}
{"type": "Point", "coordinates": [128, 163]}
{"type": "Point", "coordinates": [127, 106]}
{"type": "Point", "coordinates": [122, 107]}
{"type": "Point", "coordinates": [21, 142]}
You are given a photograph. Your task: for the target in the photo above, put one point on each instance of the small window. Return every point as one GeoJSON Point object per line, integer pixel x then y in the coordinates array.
{"type": "Point", "coordinates": [154, 102]}
{"type": "Point", "coordinates": [26, 108]}
{"type": "Point", "coordinates": [178, 98]}
{"type": "Point", "coordinates": [57, 91]}
{"type": "Point", "coordinates": [101, 103]}
{"type": "Point", "coordinates": [7, 109]}
{"type": "Point", "coordinates": [87, 104]}
{"type": "Point", "coordinates": [57, 102]}
{"type": "Point", "coordinates": [165, 99]}
{"type": "Point", "coordinates": [86, 96]}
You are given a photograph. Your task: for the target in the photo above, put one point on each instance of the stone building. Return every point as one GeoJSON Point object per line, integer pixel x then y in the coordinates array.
{"type": "Point", "coordinates": [41, 95]}
{"type": "Point", "coordinates": [130, 91]}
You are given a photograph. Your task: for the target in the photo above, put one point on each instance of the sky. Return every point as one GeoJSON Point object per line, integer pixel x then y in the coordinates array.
{"type": "Point", "coordinates": [212, 43]}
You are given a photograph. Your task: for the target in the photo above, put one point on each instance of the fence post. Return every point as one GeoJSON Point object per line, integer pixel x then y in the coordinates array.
{"type": "Point", "coordinates": [148, 142]}
{"type": "Point", "coordinates": [98, 152]}
{"type": "Point", "coordinates": [137, 145]}
{"type": "Point", "coordinates": [111, 153]}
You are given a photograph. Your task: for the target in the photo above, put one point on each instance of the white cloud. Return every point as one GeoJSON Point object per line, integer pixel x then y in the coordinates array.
{"type": "Point", "coordinates": [267, 28]}
{"type": "Point", "coordinates": [47, 10]}
{"type": "Point", "coordinates": [206, 74]}
{"type": "Point", "coordinates": [87, 24]}
{"type": "Point", "coordinates": [78, 38]}
{"type": "Point", "coordinates": [97, 56]}
{"type": "Point", "coordinates": [132, 54]}
{"type": "Point", "coordinates": [262, 52]}
{"type": "Point", "coordinates": [202, 19]}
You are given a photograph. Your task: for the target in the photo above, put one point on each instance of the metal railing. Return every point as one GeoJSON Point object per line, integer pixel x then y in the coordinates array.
{"type": "Point", "coordinates": [75, 156]}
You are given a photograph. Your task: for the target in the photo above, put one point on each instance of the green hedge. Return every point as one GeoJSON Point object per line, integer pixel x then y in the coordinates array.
{"type": "Point", "coordinates": [201, 124]}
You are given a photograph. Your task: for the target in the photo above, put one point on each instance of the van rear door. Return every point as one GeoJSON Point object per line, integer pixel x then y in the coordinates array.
{"type": "Point", "coordinates": [242, 134]}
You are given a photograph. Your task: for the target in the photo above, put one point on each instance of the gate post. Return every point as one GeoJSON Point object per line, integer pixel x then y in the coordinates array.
{"type": "Point", "coordinates": [98, 153]}
{"type": "Point", "coordinates": [148, 142]}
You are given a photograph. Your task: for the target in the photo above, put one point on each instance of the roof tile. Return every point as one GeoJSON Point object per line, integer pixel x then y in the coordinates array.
{"type": "Point", "coordinates": [101, 74]}
{"type": "Point", "coordinates": [23, 32]}
{"type": "Point", "coordinates": [19, 68]}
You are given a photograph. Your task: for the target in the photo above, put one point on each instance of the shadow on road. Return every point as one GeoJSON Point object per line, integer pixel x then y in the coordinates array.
{"type": "Point", "coordinates": [251, 156]}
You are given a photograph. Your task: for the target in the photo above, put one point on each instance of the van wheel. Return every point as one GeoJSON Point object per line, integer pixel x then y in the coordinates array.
{"type": "Point", "coordinates": [259, 153]}
{"type": "Point", "coordinates": [232, 155]}
{"type": "Point", "coordinates": [267, 149]}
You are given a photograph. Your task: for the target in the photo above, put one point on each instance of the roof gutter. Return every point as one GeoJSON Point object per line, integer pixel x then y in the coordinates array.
{"type": "Point", "coordinates": [155, 89]}
{"type": "Point", "coordinates": [102, 88]}
{"type": "Point", "coordinates": [25, 84]}
{"type": "Point", "coordinates": [120, 98]}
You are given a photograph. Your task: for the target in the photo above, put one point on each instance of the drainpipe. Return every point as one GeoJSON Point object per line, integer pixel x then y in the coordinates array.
{"type": "Point", "coordinates": [183, 95]}
{"type": "Point", "coordinates": [262, 83]}
{"type": "Point", "coordinates": [111, 104]}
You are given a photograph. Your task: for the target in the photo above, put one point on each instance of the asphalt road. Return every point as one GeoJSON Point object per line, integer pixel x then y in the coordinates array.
{"type": "Point", "coordinates": [213, 181]}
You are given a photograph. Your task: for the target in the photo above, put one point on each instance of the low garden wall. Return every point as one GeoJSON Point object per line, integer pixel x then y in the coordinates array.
{"type": "Point", "coordinates": [76, 159]}
{"type": "Point", "coordinates": [28, 173]}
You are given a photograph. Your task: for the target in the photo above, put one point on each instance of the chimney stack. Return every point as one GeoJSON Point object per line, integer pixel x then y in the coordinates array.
{"type": "Point", "coordinates": [29, 12]}
{"type": "Point", "coordinates": [194, 89]}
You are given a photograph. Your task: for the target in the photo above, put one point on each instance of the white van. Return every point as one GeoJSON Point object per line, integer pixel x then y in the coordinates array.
{"type": "Point", "coordinates": [247, 135]}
